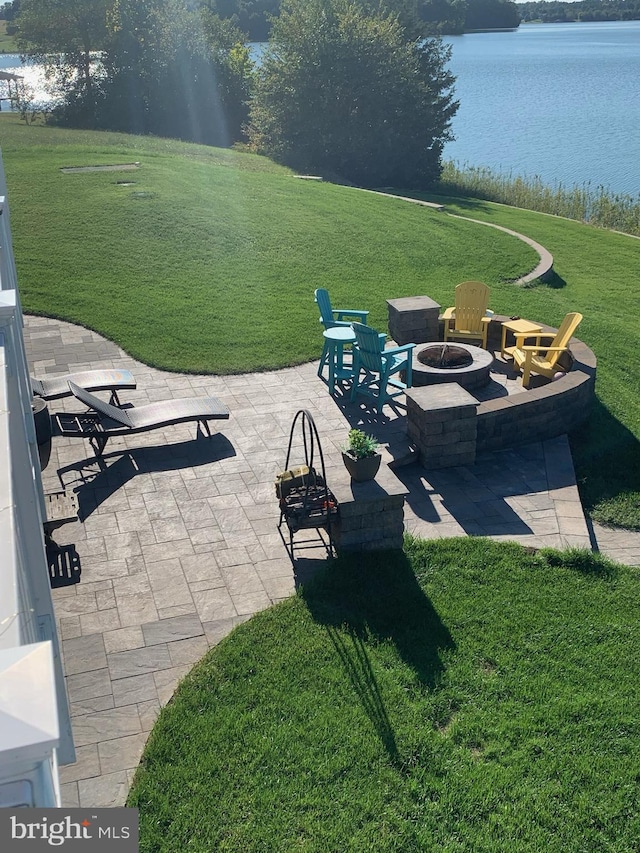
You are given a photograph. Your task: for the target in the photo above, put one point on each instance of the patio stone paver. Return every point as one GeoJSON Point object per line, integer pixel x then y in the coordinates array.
{"type": "Point", "coordinates": [178, 542]}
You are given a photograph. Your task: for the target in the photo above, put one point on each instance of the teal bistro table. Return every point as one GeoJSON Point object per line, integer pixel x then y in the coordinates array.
{"type": "Point", "coordinates": [333, 354]}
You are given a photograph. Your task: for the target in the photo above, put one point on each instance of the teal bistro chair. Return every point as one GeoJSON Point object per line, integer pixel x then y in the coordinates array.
{"type": "Point", "coordinates": [379, 365]}
{"type": "Point", "coordinates": [330, 317]}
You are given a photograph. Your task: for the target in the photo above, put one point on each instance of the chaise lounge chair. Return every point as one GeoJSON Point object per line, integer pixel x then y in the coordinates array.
{"type": "Point", "coordinates": [104, 420]}
{"type": "Point", "coordinates": [56, 387]}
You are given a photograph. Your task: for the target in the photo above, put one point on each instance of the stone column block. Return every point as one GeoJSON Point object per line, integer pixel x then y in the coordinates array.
{"type": "Point", "coordinates": [442, 420]}
{"type": "Point", "coordinates": [413, 319]}
{"type": "Point", "coordinates": [371, 513]}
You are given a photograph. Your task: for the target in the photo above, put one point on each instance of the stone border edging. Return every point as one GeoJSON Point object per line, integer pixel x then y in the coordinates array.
{"type": "Point", "coordinates": [544, 268]}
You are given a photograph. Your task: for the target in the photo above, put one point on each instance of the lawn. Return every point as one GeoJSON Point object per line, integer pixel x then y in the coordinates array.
{"type": "Point", "coordinates": [463, 696]}
{"type": "Point", "coordinates": [7, 43]}
{"type": "Point", "coordinates": [216, 253]}
{"type": "Point", "coordinates": [209, 260]}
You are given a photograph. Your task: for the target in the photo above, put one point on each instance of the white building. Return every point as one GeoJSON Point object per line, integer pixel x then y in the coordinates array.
{"type": "Point", "coordinates": [35, 728]}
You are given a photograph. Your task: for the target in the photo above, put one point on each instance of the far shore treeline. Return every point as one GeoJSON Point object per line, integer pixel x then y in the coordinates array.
{"type": "Point", "coordinates": [429, 17]}
{"type": "Point", "coordinates": [556, 12]}
{"type": "Point", "coordinates": [432, 17]}
{"type": "Point", "coordinates": [254, 18]}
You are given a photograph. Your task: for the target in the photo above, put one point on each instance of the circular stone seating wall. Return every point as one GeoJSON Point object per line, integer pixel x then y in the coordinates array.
{"type": "Point", "coordinates": [434, 422]}
{"type": "Point", "coordinates": [540, 413]}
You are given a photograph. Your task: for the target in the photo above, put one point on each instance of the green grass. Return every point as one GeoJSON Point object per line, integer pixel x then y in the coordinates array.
{"type": "Point", "coordinates": [7, 43]}
{"type": "Point", "coordinates": [221, 255]}
{"type": "Point", "coordinates": [468, 696]}
{"type": "Point", "coordinates": [595, 205]}
{"type": "Point", "coordinates": [214, 268]}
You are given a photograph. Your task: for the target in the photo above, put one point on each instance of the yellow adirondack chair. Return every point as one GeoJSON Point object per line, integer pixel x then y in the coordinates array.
{"type": "Point", "coordinates": [467, 319]}
{"type": "Point", "coordinates": [541, 358]}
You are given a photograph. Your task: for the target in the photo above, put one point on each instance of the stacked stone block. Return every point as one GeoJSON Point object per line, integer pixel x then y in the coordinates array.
{"type": "Point", "coordinates": [538, 415]}
{"type": "Point", "coordinates": [442, 421]}
{"type": "Point", "coordinates": [413, 319]}
{"type": "Point", "coordinates": [371, 513]}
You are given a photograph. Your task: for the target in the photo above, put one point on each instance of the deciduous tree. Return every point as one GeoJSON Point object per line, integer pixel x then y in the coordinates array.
{"type": "Point", "coordinates": [344, 92]}
{"type": "Point", "coordinates": [63, 35]}
{"type": "Point", "coordinates": [175, 72]}
{"type": "Point", "coordinates": [143, 66]}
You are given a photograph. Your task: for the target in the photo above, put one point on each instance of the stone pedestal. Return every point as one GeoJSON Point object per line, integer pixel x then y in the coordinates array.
{"type": "Point", "coordinates": [371, 513]}
{"type": "Point", "coordinates": [442, 421]}
{"type": "Point", "coordinates": [413, 319]}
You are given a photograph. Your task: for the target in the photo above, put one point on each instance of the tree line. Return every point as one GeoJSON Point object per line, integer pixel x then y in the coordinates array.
{"type": "Point", "coordinates": [344, 90]}
{"type": "Point", "coordinates": [584, 10]}
{"type": "Point", "coordinates": [424, 17]}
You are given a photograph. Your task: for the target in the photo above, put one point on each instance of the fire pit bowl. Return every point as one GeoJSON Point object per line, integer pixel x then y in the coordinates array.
{"type": "Point", "coordinates": [436, 363]}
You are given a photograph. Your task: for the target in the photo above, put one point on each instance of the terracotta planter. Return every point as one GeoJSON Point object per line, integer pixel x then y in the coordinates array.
{"type": "Point", "coordinates": [362, 469]}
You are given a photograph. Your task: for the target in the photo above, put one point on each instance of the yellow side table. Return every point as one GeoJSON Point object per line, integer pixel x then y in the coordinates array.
{"type": "Point", "coordinates": [521, 329]}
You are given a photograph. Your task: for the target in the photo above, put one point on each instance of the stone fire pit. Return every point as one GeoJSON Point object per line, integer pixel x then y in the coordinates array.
{"type": "Point", "coordinates": [464, 364]}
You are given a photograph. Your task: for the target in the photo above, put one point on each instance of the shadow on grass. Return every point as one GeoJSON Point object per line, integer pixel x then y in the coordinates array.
{"type": "Point", "coordinates": [97, 478]}
{"type": "Point", "coordinates": [441, 196]}
{"type": "Point", "coordinates": [378, 599]}
{"type": "Point", "coordinates": [580, 560]}
{"type": "Point", "coordinates": [353, 654]}
{"type": "Point", "coordinates": [607, 459]}
{"type": "Point", "coordinates": [552, 280]}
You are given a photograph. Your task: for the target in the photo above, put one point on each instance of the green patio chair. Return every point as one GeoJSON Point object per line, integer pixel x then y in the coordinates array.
{"type": "Point", "coordinates": [330, 317]}
{"type": "Point", "coordinates": [379, 365]}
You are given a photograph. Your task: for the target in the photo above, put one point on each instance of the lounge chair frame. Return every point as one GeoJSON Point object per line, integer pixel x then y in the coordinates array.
{"type": "Point", "coordinates": [57, 387]}
{"type": "Point", "coordinates": [102, 421]}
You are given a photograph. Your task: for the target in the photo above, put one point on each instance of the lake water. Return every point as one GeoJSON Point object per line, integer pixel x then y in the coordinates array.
{"type": "Point", "coordinates": [32, 74]}
{"type": "Point", "coordinates": [560, 101]}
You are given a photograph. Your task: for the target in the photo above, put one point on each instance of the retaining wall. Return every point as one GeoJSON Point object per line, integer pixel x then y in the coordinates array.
{"type": "Point", "coordinates": [371, 514]}
{"type": "Point", "coordinates": [538, 414]}
{"type": "Point", "coordinates": [439, 420]}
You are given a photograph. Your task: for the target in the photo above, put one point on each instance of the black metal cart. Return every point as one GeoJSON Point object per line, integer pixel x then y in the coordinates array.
{"type": "Point", "coordinates": [305, 499]}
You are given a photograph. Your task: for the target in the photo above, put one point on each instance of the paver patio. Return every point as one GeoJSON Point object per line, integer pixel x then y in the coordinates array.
{"type": "Point", "coordinates": [177, 538]}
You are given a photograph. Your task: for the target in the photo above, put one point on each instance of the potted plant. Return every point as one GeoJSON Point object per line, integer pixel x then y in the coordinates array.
{"type": "Point", "coordinates": [360, 456]}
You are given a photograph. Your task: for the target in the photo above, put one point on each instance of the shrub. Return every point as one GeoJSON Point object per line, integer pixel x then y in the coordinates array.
{"type": "Point", "coordinates": [343, 92]}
